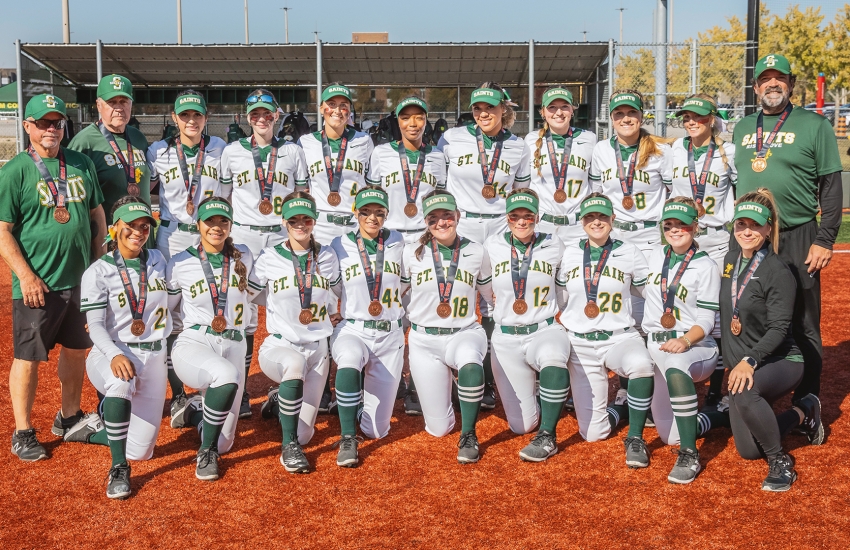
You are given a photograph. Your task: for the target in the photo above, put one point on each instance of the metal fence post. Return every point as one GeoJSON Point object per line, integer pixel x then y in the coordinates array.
{"type": "Point", "coordinates": [99, 57]}
{"type": "Point", "coordinates": [20, 117]}
{"type": "Point", "coordinates": [661, 68]}
{"type": "Point", "coordinates": [318, 84]}
{"type": "Point", "coordinates": [530, 85]}
{"type": "Point", "coordinates": [694, 68]}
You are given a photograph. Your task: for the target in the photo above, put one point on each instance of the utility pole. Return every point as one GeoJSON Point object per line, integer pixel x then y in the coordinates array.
{"type": "Point", "coordinates": [246, 23]}
{"type": "Point", "coordinates": [286, 21]}
{"type": "Point", "coordinates": [661, 68]}
{"type": "Point", "coordinates": [752, 55]}
{"type": "Point", "coordinates": [179, 21]}
{"type": "Point", "coordinates": [66, 23]}
{"type": "Point", "coordinates": [621, 10]}
{"type": "Point", "coordinates": [670, 19]}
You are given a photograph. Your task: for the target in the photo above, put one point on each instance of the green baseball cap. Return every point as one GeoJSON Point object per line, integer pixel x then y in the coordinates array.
{"type": "Point", "coordinates": [264, 99]}
{"type": "Point", "coordinates": [601, 205]}
{"type": "Point", "coordinates": [557, 93]}
{"type": "Point", "coordinates": [486, 95]}
{"type": "Point", "coordinates": [113, 85]}
{"type": "Point", "coordinates": [42, 104]}
{"type": "Point", "coordinates": [772, 61]}
{"type": "Point", "coordinates": [215, 208]}
{"type": "Point", "coordinates": [685, 213]}
{"type": "Point", "coordinates": [439, 202]}
{"type": "Point", "coordinates": [133, 211]}
{"type": "Point", "coordinates": [626, 98]}
{"type": "Point", "coordinates": [407, 102]}
{"type": "Point", "coordinates": [335, 90]}
{"type": "Point", "coordinates": [697, 105]}
{"type": "Point", "coordinates": [754, 211]}
{"type": "Point", "coordinates": [190, 102]}
{"type": "Point", "coordinates": [371, 196]}
{"type": "Point", "coordinates": [522, 200]}
{"type": "Point", "coordinates": [299, 206]}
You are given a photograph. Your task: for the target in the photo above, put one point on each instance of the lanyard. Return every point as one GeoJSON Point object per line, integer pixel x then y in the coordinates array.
{"type": "Point", "coordinates": [627, 179]}
{"type": "Point", "coordinates": [488, 171]}
{"type": "Point", "coordinates": [304, 278]}
{"type": "Point", "coordinates": [668, 294]}
{"type": "Point", "coordinates": [445, 284]}
{"type": "Point", "coordinates": [751, 269]}
{"type": "Point", "coordinates": [137, 307]}
{"type": "Point", "coordinates": [191, 185]}
{"type": "Point", "coordinates": [591, 278]}
{"type": "Point", "coordinates": [266, 179]}
{"type": "Point", "coordinates": [411, 188]}
{"type": "Point", "coordinates": [334, 172]}
{"type": "Point", "coordinates": [698, 187]}
{"type": "Point", "coordinates": [373, 278]}
{"type": "Point", "coordinates": [762, 148]}
{"type": "Point", "coordinates": [133, 176]}
{"type": "Point", "coordinates": [58, 192]}
{"type": "Point", "coordinates": [519, 271]}
{"type": "Point", "coordinates": [217, 293]}
{"type": "Point", "coordinates": [559, 172]}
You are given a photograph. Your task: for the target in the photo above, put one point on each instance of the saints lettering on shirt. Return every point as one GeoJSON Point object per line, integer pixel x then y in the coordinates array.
{"type": "Point", "coordinates": [354, 170]}
{"type": "Point", "coordinates": [76, 191]}
{"type": "Point", "coordinates": [718, 200]}
{"type": "Point", "coordinates": [543, 183]}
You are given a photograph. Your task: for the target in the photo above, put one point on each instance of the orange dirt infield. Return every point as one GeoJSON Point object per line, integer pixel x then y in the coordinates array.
{"type": "Point", "coordinates": [410, 492]}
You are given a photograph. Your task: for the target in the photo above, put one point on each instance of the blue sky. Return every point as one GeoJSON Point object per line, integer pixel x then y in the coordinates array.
{"type": "Point", "coordinates": [221, 21]}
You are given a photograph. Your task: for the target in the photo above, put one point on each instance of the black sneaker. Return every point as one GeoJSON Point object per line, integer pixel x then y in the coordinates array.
{"type": "Point", "coordinates": [347, 455]}
{"type": "Point", "coordinates": [327, 403]}
{"type": "Point", "coordinates": [207, 468]}
{"type": "Point", "coordinates": [26, 446]}
{"type": "Point", "coordinates": [183, 409]}
{"type": "Point", "coordinates": [541, 447]}
{"type": "Point", "coordinates": [488, 401]}
{"type": "Point", "coordinates": [82, 431]}
{"type": "Point", "coordinates": [269, 408]}
{"type": "Point", "coordinates": [781, 474]}
{"type": "Point", "coordinates": [62, 425]}
{"type": "Point", "coordinates": [467, 452]}
{"type": "Point", "coordinates": [812, 426]}
{"type": "Point", "coordinates": [686, 468]}
{"type": "Point", "coordinates": [118, 482]}
{"type": "Point", "coordinates": [293, 458]}
{"type": "Point", "coordinates": [637, 455]}
{"type": "Point", "coordinates": [412, 407]}
{"type": "Point", "coordinates": [245, 407]}
{"type": "Point", "coordinates": [178, 403]}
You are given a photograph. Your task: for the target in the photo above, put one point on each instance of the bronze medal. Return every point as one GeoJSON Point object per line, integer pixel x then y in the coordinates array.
{"type": "Point", "coordinates": [520, 306]}
{"type": "Point", "coordinates": [759, 164]}
{"type": "Point", "coordinates": [591, 310]}
{"type": "Point", "coordinates": [444, 310]}
{"type": "Point", "coordinates": [410, 210]}
{"type": "Point", "coordinates": [736, 327]}
{"type": "Point", "coordinates": [668, 321]}
{"type": "Point", "coordinates": [560, 195]}
{"type": "Point", "coordinates": [628, 202]}
{"type": "Point", "coordinates": [334, 199]}
{"type": "Point", "coordinates": [305, 317]}
{"type": "Point", "coordinates": [61, 215]}
{"type": "Point", "coordinates": [266, 207]}
{"type": "Point", "coordinates": [133, 190]}
{"type": "Point", "coordinates": [219, 323]}
{"type": "Point", "coordinates": [138, 327]}
{"type": "Point", "coordinates": [375, 308]}
{"type": "Point", "coordinates": [488, 192]}
{"type": "Point", "coordinates": [190, 208]}
{"type": "Point", "coordinates": [700, 209]}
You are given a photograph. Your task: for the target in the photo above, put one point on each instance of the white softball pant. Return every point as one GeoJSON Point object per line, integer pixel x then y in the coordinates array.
{"type": "Point", "coordinates": [381, 356]}
{"type": "Point", "coordinates": [625, 354]}
{"type": "Point", "coordinates": [569, 234]}
{"type": "Point", "coordinates": [204, 361]}
{"type": "Point", "coordinates": [146, 392]}
{"type": "Point", "coordinates": [479, 229]}
{"type": "Point", "coordinates": [716, 244]}
{"type": "Point", "coordinates": [516, 360]}
{"type": "Point", "coordinates": [432, 360]}
{"type": "Point", "coordinates": [647, 240]}
{"type": "Point", "coordinates": [282, 360]}
{"type": "Point", "coordinates": [256, 241]}
{"type": "Point", "coordinates": [170, 240]}
{"type": "Point", "coordinates": [325, 231]}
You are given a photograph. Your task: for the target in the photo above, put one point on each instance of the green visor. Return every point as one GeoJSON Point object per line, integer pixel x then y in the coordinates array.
{"type": "Point", "coordinates": [754, 211]}
{"type": "Point", "coordinates": [371, 196]}
{"type": "Point", "coordinates": [215, 208]}
{"type": "Point", "coordinates": [602, 205]}
{"type": "Point", "coordinates": [132, 211]}
{"type": "Point", "coordinates": [557, 93]}
{"type": "Point", "coordinates": [335, 90]}
{"type": "Point", "coordinates": [299, 206]}
{"type": "Point", "coordinates": [190, 102]}
{"type": "Point", "coordinates": [697, 105]}
{"type": "Point", "coordinates": [522, 200]}
{"type": "Point", "coordinates": [407, 102]}
{"type": "Point", "coordinates": [486, 95]}
{"type": "Point", "coordinates": [625, 98]}
{"type": "Point", "coordinates": [439, 202]}
{"type": "Point", "coordinates": [685, 213]}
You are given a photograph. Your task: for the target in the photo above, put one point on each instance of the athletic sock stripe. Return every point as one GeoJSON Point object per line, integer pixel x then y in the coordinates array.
{"type": "Point", "coordinates": [115, 424]}
{"type": "Point", "coordinates": [553, 393]}
{"type": "Point", "coordinates": [347, 394]}
{"type": "Point", "coordinates": [554, 400]}
{"type": "Point", "coordinates": [685, 414]}
{"type": "Point", "coordinates": [684, 398]}
{"type": "Point", "coordinates": [117, 433]}
{"type": "Point", "coordinates": [216, 416]}
{"type": "Point", "coordinates": [634, 399]}
{"type": "Point", "coordinates": [703, 423]}
{"type": "Point", "coordinates": [613, 412]}
{"type": "Point", "coordinates": [470, 388]}
{"type": "Point", "coordinates": [288, 402]}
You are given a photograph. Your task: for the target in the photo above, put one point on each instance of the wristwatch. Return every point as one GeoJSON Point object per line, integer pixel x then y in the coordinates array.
{"type": "Point", "coordinates": [751, 362]}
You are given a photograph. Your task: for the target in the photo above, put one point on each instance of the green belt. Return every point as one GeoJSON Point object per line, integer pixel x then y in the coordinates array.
{"type": "Point", "coordinates": [229, 334]}
{"type": "Point", "coordinates": [633, 226]}
{"type": "Point", "coordinates": [383, 326]}
{"type": "Point", "coordinates": [482, 216]}
{"type": "Point", "coordinates": [526, 329]}
{"type": "Point", "coordinates": [596, 335]}
{"type": "Point", "coordinates": [339, 220]}
{"type": "Point", "coordinates": [707, 230]}
{"type": "Point", "coordinates": [437, 331]}
{"type": "Point", "coordinates": [264, 228]}
{"type": "Point", "coordinates": [664, 336]}
{"type": "Point", "coordinates": [190, 228]}
{"type": "Point", "coordinates": [409, 230]}
{"type": "Point", "coordinates": [146, 346]}
{"type": "Point", "coordinates": [560, 220]}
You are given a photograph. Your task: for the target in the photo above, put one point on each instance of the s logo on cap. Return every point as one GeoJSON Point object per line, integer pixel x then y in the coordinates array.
{"type": "Point", "coordinates": [50, 101]}
{"type": "Point", "coordinates": [117, 83]}
{"type": "Point", "coordinates": [770, 61]}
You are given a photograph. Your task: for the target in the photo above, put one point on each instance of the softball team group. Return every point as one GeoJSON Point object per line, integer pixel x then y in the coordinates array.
{"type": "Point", "coordinates": [540, 263]}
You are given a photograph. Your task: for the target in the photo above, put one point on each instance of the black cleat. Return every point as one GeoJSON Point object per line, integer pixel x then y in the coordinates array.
{"type": "Point", "coordinates": [62, 425]}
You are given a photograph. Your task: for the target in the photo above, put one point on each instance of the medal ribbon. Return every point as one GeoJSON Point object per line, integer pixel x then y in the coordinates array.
{"type": "Point", "coordinates": [698, 187]}
{"type": "Point", "coordinates": [591, 280]}
{"type": "Point", "coordinates": [519, 272]}
{"type": "Point", "coordinates": [191, 185]}
{"type": "Point", "coordinates": [751, 269]}
{"type": "Point", "coordinates": [445, 284]}
{"type": "Point", "coordinates": [129, 166]}
{"type": "Point", "coordinates": [266, 180]}
{"type": "Point", "coordinates": [58, 192]}
{"type": "Point", "coordinates": [137, 307]}
{"type": "Point", "coordinates": [559, 172]}
{"type": "Point", "coordinates": [411, 189]}
{"type": "Point", "coordinates": [627, 179]}
{"type": "Point", "coordinates": [762, 148]}
{"type": "Point", "coordinates": [668, 294]}
{"type": "Point", "coordinates": [373, 279]}
{"type": "Point", "coordinates": [217, 293]}
{"type": "Point", "coordinates": [305, 283]}
{"type": "Point", "coordinates": [334, 172]}
{"type": "Point", "coordinates": [488, 171]}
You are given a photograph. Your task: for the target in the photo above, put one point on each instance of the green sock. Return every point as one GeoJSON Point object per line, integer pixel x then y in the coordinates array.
{"type": "Point", "coordinates": [349, 393]}
{"type": "Point", "coordinates": [99, 438]}
{"type": "Point", "coordinates": [683, 399]}
{"type": "Point", "coordinates": [289, 398]}
{"type": "Point", "coordinates": [554, 384]}
{"type": "Point", "coordinates": [708, 420]}
{"type": "Point", "coordinates": [249, 355]}
{"type": "Point", "coordinates": [217, 404]}
{"type": "Point", "coordinates": [174, 381]}
{"type": "Point", "coordinates": [640, 398]}
{"type": "Point", "coordinates": [470, 390]}
{"type": "Point", "coordinates": [116, 419]}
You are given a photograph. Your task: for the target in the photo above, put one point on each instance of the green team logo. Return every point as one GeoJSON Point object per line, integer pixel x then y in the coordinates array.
{"type": "Point", "coordinates": [117, 83]}
{"type": "Point", "coordinates": [770, 61]}
{"type": "Point", "coordinates": [50, 101]}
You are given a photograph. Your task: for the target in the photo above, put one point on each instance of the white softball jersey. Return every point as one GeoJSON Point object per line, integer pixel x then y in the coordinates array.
{"type": "Point", "coordinates": [165, 167]}
{"type": "Point", "coordinates": [385, 170]}
{"type": "Point", "coordinates": [464, 177]}
{"type": "Point", "coordinates": [697, 296]}
{"type": "Point", "coordinates": [101, 288]}
{"type": "Point", "coordinates": [473, 273]}
{"type": "Point", "coordinates": [354, 171]}
{"type": "Point", "coordinates": [719, 202]}
{"type": "Point", "coordinates": [237, 169]}
{"type": "Point", "coordinates": [355, 290]}
{"type": "Point", "coordinates": [273, 271]}
{"type": "Point", "coordinates": [540, 292]}
{"type": "Point", "coordinates": [650, 183]}
{"type": "Point", "coordinates": [577, 185]}
{"type": "Point", "coordinates": [625, 267]}
{"type": "Point", "coordinates": [186, 281]}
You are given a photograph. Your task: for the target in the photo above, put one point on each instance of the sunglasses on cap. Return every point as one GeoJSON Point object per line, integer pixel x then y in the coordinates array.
{"type": "Point", "coordinates": [261, 98]}
{"type": "Point", "coordinates": [44, 124]}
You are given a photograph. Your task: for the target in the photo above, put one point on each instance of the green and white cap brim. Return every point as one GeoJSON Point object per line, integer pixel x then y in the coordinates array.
{"type": "Point", "coordinates": [439, 202]}
{"type": "Point", "coordinates": [371, 196]}
{"type": "Point", "coordinates": [625, 98]}
{"type": "Point", "coordinates": [522, 200]}
{"type": "Point", "coordinates": [411, 101]}
{"type": "Point", "coordinates": [486, 95]}
{"type": "Point", "coordinates": [335, 90]}
{"type": "Point", "coordinates": [600, 205]}
{"type": "Point", "coordinates": [191, 102]}
{"type": "Point", "coordinates": [131, 212]}
{"type": "Point", "coordinates": [215, 208]}
{"type": "Point", "coordinates": [685, 213]}
{"type": "Point", "coordinates": [557, 93]}
{"type": "Point", "coordinates": [697, 105]}
{"type": "Point", "coordinates": [754, 211]}
{"type": "Point", "coordinates": [299, 206]}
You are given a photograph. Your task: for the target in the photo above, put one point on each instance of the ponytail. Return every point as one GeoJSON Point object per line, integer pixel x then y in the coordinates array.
{"type": "Point", "coordinates": [424, 240]}
{"type": "Point", "coordinates": [239, 268]}
{"type": "Point", "coordinates": [315, 247]}
{"type": "Point", "coordinates": [539, 145]}
{"type": "Point", "coordinates": [649, 147]}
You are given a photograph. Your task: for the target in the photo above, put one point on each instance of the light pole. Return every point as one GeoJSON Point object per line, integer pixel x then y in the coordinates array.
{"type": "Point", "coordinates": [66, 23]}
{"type": "Point", "coordinates": [286, 21]}
{"type": "Point", "coordinates": [246, 23]}
{"type": "Point", "coordinates": [621, 10]}
{"type": "Point", "coordinates": [179, 21]}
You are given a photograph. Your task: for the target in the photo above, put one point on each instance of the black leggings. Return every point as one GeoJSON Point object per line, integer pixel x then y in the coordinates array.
{"type": "Point", "coordinates": [756, 429]}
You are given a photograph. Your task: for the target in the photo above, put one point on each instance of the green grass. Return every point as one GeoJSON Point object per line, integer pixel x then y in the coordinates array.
{"type": "Point", "coordinates": [844, 230]}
